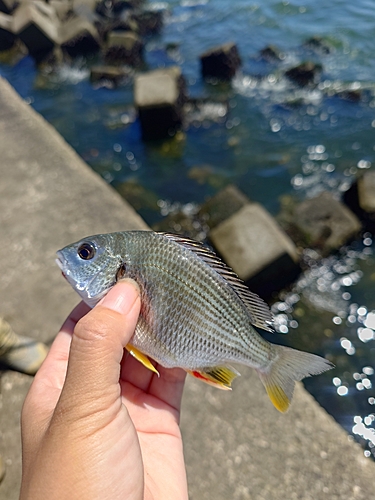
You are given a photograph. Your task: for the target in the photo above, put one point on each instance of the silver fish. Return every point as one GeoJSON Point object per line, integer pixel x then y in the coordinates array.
{"type": "Point", "coordinates": [196, 313]}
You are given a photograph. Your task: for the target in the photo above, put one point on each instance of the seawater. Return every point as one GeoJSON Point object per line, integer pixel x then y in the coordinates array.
{"type": "Point", "coordinates": [276, 140]}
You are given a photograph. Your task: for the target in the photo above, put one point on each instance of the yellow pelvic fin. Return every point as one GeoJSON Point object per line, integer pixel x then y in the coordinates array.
{"type": "Point", "coordinates": [142, 358]}
{"type": "Point", "coordinates": [278, 397]}
{"type": "Point", "coordinates": [219, 376]}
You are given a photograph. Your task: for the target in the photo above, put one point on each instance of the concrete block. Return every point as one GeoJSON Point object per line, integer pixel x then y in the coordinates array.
{"type": "Point", "coordinates": [114, 8]}
{"type": "Point", "coordinates": [89, 4]}
{"type": "Point", "coordinates": [325, 223]}
{"type": "Point", "coordinates": [257, 249]}
{"type": "Point", "coordinates": [7, 37]}
{"type": "Point", "coordinates": [224, 204]}
{"type": "Point", "coordinates": [360, 198]}
{"type": "Point", "coordinates": [123, 23]}
{"type": "Point", "coordinates": [8, 6]}
{"type": "Point", "coordinates": [37, 26]}
{"type": "Point", "coordinates": [78, 36]}
{"type": "Point", "coordinates": [121, 6]}
{"type": "Point", "coordinates": [271, 54]}
{"type": "Point", "coordinates": [220, 62]}
{"type": "Point", "coordinates": [366, 191]}
{"type": "Point", "coordinates": [124, 47]}
{"type": "Point", "coordinates": [159, 97]}
{"type": "Point", "coordinates": [62, 8]}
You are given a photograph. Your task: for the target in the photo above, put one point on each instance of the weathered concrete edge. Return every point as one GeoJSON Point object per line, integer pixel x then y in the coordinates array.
{"type": "Point", "coordinates": [118, 211]}
{"type": "Point", "coordinates": [14, 100]}
{"type": "Point", "coordinates": [48, 198]}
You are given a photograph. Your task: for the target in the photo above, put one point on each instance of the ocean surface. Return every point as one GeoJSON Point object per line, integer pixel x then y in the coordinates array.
{"type": "Point", "coordinates": [276, 141]}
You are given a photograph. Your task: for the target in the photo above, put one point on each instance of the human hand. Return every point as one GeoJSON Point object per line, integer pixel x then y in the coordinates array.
{"type": "Point", "coordinates": [96, 424]}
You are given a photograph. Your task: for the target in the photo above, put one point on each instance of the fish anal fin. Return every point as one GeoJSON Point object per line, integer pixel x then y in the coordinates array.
{"type": "Point", "coordinates": [278, 397]}
{"type": "Point", "coordinates": [218, 376]}
{"type": "Point", "coordinates": [142, 358]}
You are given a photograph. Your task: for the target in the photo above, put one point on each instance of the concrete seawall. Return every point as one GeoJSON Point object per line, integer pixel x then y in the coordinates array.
{"type": "Point", "coordinates": [236, 445]}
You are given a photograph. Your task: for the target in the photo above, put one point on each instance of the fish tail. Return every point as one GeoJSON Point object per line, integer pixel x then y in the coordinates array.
{"type": "Point", "coordinates": [289, 366]}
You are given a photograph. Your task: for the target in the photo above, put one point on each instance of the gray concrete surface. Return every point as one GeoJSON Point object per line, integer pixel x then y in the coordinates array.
{"type": "Point", "coordinates": [237, 446]}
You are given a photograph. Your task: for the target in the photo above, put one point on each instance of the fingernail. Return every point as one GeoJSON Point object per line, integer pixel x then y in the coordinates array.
{"type": "Point", "coordinates": [121, 297]}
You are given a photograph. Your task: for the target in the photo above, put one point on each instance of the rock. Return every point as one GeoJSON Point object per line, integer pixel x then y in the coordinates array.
{"type": "Point", "coordinates": [220, 62]}
{"type": "Point", "coordinates": [350, 95]}
{"type": "Point", "coordinates": [113, 74]}
{"type": "Point", "coordinates": [271, 54]}
{"type": "Point", "coordinates": [37, 26]}
{"type": "Point", "coordinates": [149, 22]}
{"type": "Point", "coordinates": [182, 223]}
{"type": "Point", "coordinates": [124, 47]}
{"type": "Point", "coordinates": [207, 174]}
{"type": "Point", "coordinates": [14, 55]}
{"type": "Point", "coordinates": [257, 249]}
{"type": "Point", "coordinates": [139, 197]}
{"type": "Point", "coordinates": [159, 97]}
{"type": "Point", "coordinates": [78, 36]}
{"type": "Point", "coordinates": [325, 223]}
{"type": "Point", "coordinates": [8, 6]}
{"type": "Point", "coordinates": [317, 44]}
{"type": "Point", "coordinates": [304, 74]}
{"type": "Point", "coordinates": [48, 63]}
{"type": "Point", "coordinates": [223, 205]}
{"type": "Point", "coordinates": [172, 46]}
{"type": "Point", "coordinates": [7, 37]}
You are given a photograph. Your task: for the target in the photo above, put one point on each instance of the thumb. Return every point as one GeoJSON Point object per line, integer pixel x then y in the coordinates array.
{"type": "Point", "coordinates": [92, 379]}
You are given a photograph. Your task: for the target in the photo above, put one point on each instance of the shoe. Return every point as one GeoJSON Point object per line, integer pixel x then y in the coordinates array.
{"type": "Point", "coordinates": [20, 353]}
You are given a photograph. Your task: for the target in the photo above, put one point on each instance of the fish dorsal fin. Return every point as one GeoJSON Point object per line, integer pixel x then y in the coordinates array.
{"type": "Point", "coordinates": [260, 313]}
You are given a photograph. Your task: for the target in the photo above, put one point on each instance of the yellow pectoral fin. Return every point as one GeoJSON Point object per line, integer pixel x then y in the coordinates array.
{"type": "Point", "coordinates": [219, 376]}
{"type": "Point", "coordinates": [142, 358]}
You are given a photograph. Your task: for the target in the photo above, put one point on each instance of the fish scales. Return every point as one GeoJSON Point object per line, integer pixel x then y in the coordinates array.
{"type": "Point", "coordinates": [208, 299]}
{"type": "Point", "coordinates": [195, 312]}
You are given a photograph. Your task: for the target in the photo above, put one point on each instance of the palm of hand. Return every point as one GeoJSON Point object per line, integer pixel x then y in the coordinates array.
{"type": "Point", "coordinates": [122, 457]}
{"type": "Point", "coordinates": [153, 404]}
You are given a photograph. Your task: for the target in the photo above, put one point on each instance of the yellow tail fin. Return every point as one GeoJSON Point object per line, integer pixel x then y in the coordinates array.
{"type": "Point", "coordinates": [288, 366]}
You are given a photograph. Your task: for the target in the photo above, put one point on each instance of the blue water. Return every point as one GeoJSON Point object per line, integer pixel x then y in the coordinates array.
{"type": "Point", "coordinates": [276, 140]}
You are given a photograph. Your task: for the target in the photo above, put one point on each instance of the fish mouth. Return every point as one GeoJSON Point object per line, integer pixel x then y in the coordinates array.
{"type": "Point", "coordinates": [80, 288]}
{"type": "Point", "coordinates": [60, 263]}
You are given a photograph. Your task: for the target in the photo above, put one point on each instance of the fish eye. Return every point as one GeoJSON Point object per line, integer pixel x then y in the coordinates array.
{"type": "Point", "coordinates": [86, 251]}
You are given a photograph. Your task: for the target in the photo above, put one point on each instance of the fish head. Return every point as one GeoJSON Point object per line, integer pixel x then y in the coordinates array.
{"type": "Point", "coordinates": [91, 267]}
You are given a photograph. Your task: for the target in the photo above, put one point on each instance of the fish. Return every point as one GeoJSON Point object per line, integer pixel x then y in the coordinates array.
{"type": "Point", "coordinates": [196, 313]}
